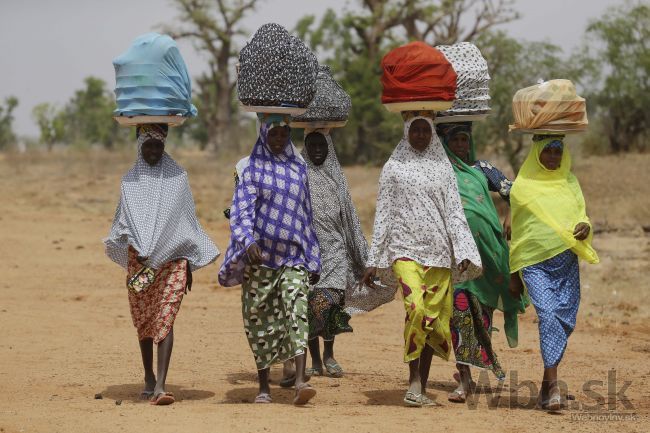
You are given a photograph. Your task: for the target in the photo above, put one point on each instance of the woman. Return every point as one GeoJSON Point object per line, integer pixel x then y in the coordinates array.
{"type": "Point", "coordinates": [158, 239]}
{"type": "Point", "coordinates": [273, 253]}
{"type": "Point", "coordinates": [550, 231]}
{"type": "Point", "coordinates": [421, 232]}
{"type": "Point", "coordinates": [475, 301]}
{"type": "Point", "coordinates": [344, 252]}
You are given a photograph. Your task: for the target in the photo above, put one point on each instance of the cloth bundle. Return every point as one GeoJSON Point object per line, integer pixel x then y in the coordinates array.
{"type": "Point", "coordinates": [276, 69]}
{"type": "Point", "coordinates": [331, 102]}
{"type": "Point", "coordinates": [417, 72]}
{"type": "Point", "coordinates": [549, 106]}
{"type": "Point", "coordinates": [151, 79]}
{"type": "Point", "coordinates": [472, 91]}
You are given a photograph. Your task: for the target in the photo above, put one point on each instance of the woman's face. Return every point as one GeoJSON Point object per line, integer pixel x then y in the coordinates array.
{"type": "Point", "coordinates": [152, 151]}
{"type": "Point", "coordinates": [459, 145]}
{"type": "Point", "coordinates": [420, 134]}
{"type": "Point", "coordinates": [316, 145]}
{"type": "Point", "coordinates": [551, 157]}
{"type": "Point", "coordinates": [278, 138]}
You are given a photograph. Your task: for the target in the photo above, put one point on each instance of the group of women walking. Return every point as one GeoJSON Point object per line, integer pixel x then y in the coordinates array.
{"type": "Point", "coordinates": [304, 266]}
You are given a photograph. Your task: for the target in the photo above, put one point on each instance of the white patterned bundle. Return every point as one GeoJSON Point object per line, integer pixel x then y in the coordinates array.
{"type": "Point", "coordinates": [331, 103]}
{"type": "Point", "coordinates": [472, 91]}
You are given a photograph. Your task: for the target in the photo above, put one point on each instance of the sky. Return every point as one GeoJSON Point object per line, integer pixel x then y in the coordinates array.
{"type": "Point", "coordinates": [48, 47]}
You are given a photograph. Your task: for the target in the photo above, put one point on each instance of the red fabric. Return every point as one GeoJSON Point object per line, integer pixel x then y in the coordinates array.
{"type": "Point", "coordinates": [417, 72]}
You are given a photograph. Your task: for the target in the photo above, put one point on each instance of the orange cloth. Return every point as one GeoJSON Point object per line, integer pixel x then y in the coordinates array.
{"type": "Point", "coordinates": [417, 72]}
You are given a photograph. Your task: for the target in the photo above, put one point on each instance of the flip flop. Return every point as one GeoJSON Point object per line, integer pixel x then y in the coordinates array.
{"type": "Point", "coordinates": [457, 396]}
{"type": "Point", "coordinates": [412, 399]}
{"type": "Point", "coordinates": [263, 398]}
{"type": "Point", "coordinates": [146, 395]}
{"type": "Point", "coordinates": [163, 399]}
{"type": "Point", "coordinates": [304, 393]}
{"type": "Point", "coordinates": [311, 371]}
{"type": "Point", "coordinates": [288, 382]}
{"type": "Point", "coordinates": [334, 370]}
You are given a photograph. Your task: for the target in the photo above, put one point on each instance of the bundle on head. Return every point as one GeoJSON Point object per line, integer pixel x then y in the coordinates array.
{"type": "Point", "coordinates": [331, 102]}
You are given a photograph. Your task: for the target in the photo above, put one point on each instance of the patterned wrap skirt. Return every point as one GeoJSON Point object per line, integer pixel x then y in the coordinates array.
{"type": "Point", "coordinates": [274, 308]}
{"type": "Point", "coordinates": [554, 289]}
{"type": "Point", "coordinates": [155, 308]}
{"type": "Point", "coordinates": [327, 316]}
{"type": "Point", "coordinates": [427, 293]}
{"type": "Point", "coordinates": [471, 329]}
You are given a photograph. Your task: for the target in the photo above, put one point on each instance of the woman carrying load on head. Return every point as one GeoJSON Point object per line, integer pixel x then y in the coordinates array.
{"type": "Point", "coordinates": [550, 231]}
{"type": "Point", "coordinates": [274, 254]}
{"type": "Point", "coordinates": [476, 300]}
{"type": "Point", "coordinates": [344, 251]}
{"type": "Point", "coordinates": [157, 238]}
{"type": "Point", "coordinates": [420, 231]}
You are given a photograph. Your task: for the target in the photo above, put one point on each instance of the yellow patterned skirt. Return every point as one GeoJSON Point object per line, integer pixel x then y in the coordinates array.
{"type": "Point", "coordinates": [428, 297]}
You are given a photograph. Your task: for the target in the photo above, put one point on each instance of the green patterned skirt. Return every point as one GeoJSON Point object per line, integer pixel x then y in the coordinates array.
{"type": "Point", "coordinates": [327, 317]}
{"type": "Point", "coordinates": [274, 307]}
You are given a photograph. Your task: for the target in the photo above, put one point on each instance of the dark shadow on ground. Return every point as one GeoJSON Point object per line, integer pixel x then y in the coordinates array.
{"type": "Point", "coordinates": [131, 392]}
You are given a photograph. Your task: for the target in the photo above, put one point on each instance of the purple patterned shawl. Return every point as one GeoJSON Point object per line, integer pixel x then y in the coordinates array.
{"type": "Point", "coordinates": [272, 207]}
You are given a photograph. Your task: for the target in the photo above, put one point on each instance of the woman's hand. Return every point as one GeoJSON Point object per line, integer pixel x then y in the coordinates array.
{"type": "Point", "coordinates": [369, 277]}
{"type": "Point", "coordinates": [254, 254]}
{"type": "Point", "coordinates": [516, 287]}
{"type": "Point", "coordinates": [507, 228]}
{"type": "Point", "coordinates": [314, 279]}
{"type": "Point", "coordinates": [188, 286]}
{"type": "Point", "coordinates": [462, 266]}
{"type": "Point", "coordinates": [581, 231]}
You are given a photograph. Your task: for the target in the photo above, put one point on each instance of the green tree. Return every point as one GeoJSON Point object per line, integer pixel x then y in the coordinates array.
{"type": "Point", "coordinates": [354, 41]}
{"type": "Point", "coordinates": [214, 25]}
{"type": "Point", "coordinates": [514, 65]}
{"type": "Point", "coordinates": [617, 45]}
{"type": "Point", "coordinates": [51, 123]}
{"type": "Point", "coordinates": [89, 115]}
{"type": "Point", "coordinates": [7, 136]}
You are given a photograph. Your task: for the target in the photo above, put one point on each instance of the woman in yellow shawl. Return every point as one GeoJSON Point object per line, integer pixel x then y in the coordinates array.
{"type": "Point", "coordinates": [550, 231]}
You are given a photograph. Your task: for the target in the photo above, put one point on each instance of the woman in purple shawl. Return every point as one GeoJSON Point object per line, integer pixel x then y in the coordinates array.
{"type": "Point", "coordinates": [274, 254]}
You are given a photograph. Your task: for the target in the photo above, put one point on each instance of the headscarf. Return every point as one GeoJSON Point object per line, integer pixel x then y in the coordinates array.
{"type": "Point", "coordinates": [272, 207]}
{"type": "Point", "coordinates": [546, 206]}
{"type": "Point", "coordinates": [419, 213]}
{"type": "Point", "coordinates": [492, 288]}
{"type": "Point", "coordinates": [156, 214]}
{"type": "Point", "coordinates": [330, 179]}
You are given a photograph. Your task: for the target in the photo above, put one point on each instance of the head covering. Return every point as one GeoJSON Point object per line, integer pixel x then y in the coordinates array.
{"type": "Point", "coordinates": [156, 214]}
{"type": "Point", "coordinates": [419, 214]}
{"type": "Point", "coordinates": [274, 119]}
{"type": "Point", "coordinates": [492, 288]}
{"type": "Point", "coordinates": [546, 206]}
{"type": "Point", "coordinates": [147, 131]}
{"type": "Point", "coordinates": [272, 207]}
{"type": "Point", "coordinates": [328, 182]}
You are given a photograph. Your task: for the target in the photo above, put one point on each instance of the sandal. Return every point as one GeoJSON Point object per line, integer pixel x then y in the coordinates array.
{"type": "Point", "coordinates": [457, 396]}
{"type": "Point", "coordinates": [163, 399]}
{"type": "Point", "coordinates": [314, 371]}
{"type": "Point", "coordinates": [288, 382]}
{"type": "Point", "coordinates": [264, 398]}
{"type": "Point", "coordinates": [334, 370]}
{"type": "Point", "coordinates": [412, 399]}
{"type": "Point", "coordinates": [304, 393]}
{"type": "Point", "coordinates": [146, 395]}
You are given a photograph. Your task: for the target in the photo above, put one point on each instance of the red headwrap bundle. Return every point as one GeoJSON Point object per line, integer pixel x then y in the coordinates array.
{"type": "Point", "coordinates": [417, 72]}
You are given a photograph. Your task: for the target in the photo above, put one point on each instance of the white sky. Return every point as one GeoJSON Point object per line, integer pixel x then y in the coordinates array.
{"type": "Point", "coordinates": [49, 46]}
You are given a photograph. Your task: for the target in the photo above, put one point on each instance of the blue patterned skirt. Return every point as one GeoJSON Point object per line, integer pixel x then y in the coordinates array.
{"type": "Point", "coordinates": [554, 289]}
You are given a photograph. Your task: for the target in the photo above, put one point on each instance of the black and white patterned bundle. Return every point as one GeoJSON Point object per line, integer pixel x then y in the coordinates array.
{"type": "Point", "coordinates": [331, 102]}
{"type": "Point", "coordinates": [472, 91]}
{"type": "Point", "coordinates": [276, 69]}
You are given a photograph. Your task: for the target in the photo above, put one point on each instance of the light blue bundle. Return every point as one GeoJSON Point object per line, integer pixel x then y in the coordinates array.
{"type": "Point", "coordinates": [151, 79]}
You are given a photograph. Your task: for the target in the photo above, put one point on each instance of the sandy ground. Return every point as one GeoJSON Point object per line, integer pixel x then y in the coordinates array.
{"type": "Point", "coordinates": [67, 334]}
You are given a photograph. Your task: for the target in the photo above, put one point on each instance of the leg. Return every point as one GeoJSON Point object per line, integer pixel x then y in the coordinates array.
{"type": "Point", "coordinates": [316, 360]}
{"type": "Point", "coordinates": [550, 393]}
{"type": "Point", "coordinates": [164, 356]}
{"type": "Point", "coordinates": [333, 368]}
{"type": "Point", "coordinates": [425, 365]}
{"type": "Point", "coordinates": [263, 378]}
{"type": "Point", "coordinates": [146, 350]}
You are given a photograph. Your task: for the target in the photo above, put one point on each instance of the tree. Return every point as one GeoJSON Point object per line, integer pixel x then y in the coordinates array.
{"type": "Point", "coordinates": [215, 34]}
{"type": "Point", "coordinates": [354, 43]}
{"type": "Point", "coordinates": [7, 135]}
{"type": "Point", "coordinates": [51, 123]}
{"type": "Point", "coordinates": [89, 115]}
{"type": "Point", "coordinates": [618, 45]}
{"type": "Point", "coordinates": [514, 65]}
